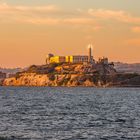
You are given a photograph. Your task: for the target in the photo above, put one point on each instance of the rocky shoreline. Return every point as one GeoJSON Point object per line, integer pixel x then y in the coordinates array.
{"type": "Point", "coordinates": [75, 75]}
{"type": "Point", "coordinates": [67, 80]}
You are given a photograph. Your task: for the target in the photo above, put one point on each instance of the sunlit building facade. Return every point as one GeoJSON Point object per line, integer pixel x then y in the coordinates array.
{"type": "Point", "coordinates": [71, 59]}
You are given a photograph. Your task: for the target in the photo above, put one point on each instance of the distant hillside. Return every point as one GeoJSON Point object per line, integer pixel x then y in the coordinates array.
{"type": "Point", "coordinates": [130, 68]}
{"type": "Point", "coordinates": [11, 70]}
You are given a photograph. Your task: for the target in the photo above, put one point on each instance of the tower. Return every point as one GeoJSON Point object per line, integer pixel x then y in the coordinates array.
{"type": "Point", "coordinates": [90, 53]}
{"type": "Point", "coordinates": [48, 58]}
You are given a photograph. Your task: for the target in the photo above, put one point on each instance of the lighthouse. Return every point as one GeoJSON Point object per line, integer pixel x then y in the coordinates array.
{"type": "Point", "coordinates": [90, 57]}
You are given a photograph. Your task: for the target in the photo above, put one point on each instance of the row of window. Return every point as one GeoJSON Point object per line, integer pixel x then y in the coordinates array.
{"type": "Point", "coordinates": [75, 59]}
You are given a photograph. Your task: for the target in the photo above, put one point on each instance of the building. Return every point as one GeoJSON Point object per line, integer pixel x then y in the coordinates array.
{"type": "Point", "coordinates": [2, 75]}
{"type": "Point", "coordinates": [76, 59]}
{"type": "Point", "coordinates": [48, 58]}
{"type": "Point", "coordinates": [57, 59]}
{"type": "Point", "coordinates": [10, 75]}
{"type": "Point", "coordinates": [103, 60]}
{"type": "Point", "coordinates": [71, 59]}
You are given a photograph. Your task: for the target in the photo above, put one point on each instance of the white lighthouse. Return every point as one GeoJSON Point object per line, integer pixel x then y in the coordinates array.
{"type": "Point", "coordinates": [90, 57]}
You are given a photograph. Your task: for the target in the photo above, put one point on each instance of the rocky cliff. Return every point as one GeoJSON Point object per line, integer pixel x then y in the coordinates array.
{"type": "Point", "coordinates": [33, 79]}
{"type": "Point", "coordinates": [72, 75]}
{"type": "Point", "coordinates": [70, 80]}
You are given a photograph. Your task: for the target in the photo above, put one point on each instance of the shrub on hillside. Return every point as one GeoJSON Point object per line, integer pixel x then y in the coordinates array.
{"type": "Point", "coordinates": [51, 77]}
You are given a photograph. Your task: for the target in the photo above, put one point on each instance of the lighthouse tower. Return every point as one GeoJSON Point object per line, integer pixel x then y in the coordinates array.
{"type": "Point", "coordinates": [90, 57]}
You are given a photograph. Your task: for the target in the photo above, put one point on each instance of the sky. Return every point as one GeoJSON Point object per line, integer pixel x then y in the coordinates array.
{"type": "Point", "coordinates": [30, 29]}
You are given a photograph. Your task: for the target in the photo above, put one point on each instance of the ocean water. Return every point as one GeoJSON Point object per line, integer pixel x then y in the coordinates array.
{"type": "Point", "coordinates": [70, 113]}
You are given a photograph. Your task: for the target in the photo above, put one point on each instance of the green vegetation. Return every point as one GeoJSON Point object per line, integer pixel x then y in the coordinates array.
{"type": "Point", "coordinates": [17, 75]}
{"type": "Point", "coordinates": [44, 69]}
{"type": "Point", "coordinates": [32, 69]}
{"type": "Point", "coordinates": [51, 77]}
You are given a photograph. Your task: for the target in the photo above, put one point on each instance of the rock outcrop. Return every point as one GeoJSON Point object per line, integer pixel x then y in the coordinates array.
{"type": "Point", "coordinates": [71, 75]}
{"type": "Point", "coordinates": [33, 79]}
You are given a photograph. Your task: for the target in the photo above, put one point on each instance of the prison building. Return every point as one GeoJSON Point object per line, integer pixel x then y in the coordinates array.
{"type": "Point", "coordinates": [69, 59]}
{"type": "Point", "coordinates": [57, 59]}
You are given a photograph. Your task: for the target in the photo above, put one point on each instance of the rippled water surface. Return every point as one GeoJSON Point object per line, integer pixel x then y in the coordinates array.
{"type": "Point", "coordinates": [70, 113]}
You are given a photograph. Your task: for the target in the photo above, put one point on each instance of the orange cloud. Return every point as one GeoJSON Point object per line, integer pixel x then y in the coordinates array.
{"type": "Point", "coordinates": [40, 15]}
{"type": "Point", "coordinates": [121, 16]}
{"type": "Point", "coordinates": [106, 13]}
{"type": "Point", "coordinates": [79, 21]}
{"type": "Point", "coordinates": [45, 21]}
{"type": "Point", "coordinates": [5, 8]}
{"type": "Point", "coordinates": [53, 15]}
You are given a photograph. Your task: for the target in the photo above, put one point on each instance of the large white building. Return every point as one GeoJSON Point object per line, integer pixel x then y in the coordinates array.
{"type": "Point", "coordinates": [71, 59]}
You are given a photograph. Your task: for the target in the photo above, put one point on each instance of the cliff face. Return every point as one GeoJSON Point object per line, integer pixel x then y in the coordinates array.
{"type": "Point", "coordinates": [98, 75]}
{"type": "Point", "coordinates": [2, 77]}
{"type": "Point", "coordinates": [72, 80]}
{"type": "Point", "coordinates": [32, 79]}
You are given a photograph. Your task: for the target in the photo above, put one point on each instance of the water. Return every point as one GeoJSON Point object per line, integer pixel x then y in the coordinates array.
{"type": "Point", "coordinates": [70, 113]}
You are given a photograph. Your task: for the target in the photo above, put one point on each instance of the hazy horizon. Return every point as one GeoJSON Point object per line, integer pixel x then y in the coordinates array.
{"type": "Point", "coordinates": [32, 29]}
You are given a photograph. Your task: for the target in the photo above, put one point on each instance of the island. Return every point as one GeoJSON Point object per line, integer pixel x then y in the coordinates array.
{"type": "Point", "coordinates": [73, 71]}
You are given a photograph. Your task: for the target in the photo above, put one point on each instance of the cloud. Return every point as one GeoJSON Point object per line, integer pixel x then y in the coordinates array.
{"type": "Point", "coordinates": [48, 14]}
{"type": "Point", "coordinates": [106, 13]}
{"type": "Point", "coordinates": [62, 21]}
{"type": "Point", "coordinates": [5, 8]}
{"type": "Point", "coordinates": [29, 14]}
{"type": "Point", "coordinates": [37, 8]}
{"type": "Point", "coordinates": [54, 15]}
{"type": "Point", "coordinates": [45, 21]}
{"type": "Point", "coordinates": [120, 16]}
{"type": "Point", "coordinates": [83, 21]}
